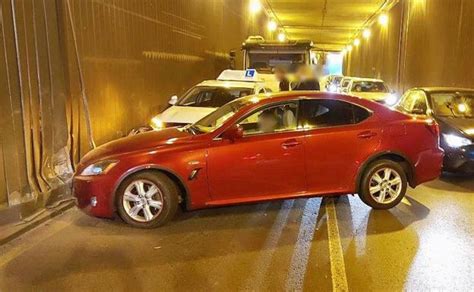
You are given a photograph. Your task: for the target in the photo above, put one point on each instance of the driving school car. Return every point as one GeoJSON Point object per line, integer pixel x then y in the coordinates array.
{"type": "Point", "coordinates": [207, 96]}
{"type": "Point", "coordinates": [259, 148]}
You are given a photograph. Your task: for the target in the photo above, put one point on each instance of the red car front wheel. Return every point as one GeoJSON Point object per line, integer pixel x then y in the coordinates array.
{"type": "Point", "coordinates": [147, 199]}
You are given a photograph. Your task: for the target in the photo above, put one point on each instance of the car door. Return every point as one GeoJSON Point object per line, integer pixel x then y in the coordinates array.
{"type": "Point", "coordinates": [264, 162]}
{"type": "Point", "coordinates": [339, 136]}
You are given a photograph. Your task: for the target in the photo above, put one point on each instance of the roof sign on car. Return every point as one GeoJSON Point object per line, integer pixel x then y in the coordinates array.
{"type": "Point", "coordinates": [250, 73]}
{"type": "Point", "coordinates": [239, 75]}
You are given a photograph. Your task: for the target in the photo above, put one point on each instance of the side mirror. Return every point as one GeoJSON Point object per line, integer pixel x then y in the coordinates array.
{"type": "Point", "coordinates": [233, 133]}
{"type": "Point", "coordinates": [173, 100]}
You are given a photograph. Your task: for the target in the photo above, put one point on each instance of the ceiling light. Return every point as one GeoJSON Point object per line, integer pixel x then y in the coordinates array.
{"type": "Point", "coordinates": [366, 33]}
{"type": "Point", "coordinates": [281, 37]}
{"type": "Point", "coordinates": [383, 19]}
{"type": "Point", "coordinates": [349, 48]}
{"type": "Point", "coordinates": [356, 42]}
{"type": "Point", "coordinates": [255, 6]}
{"type": "Point", "coordinates": [272, 25]}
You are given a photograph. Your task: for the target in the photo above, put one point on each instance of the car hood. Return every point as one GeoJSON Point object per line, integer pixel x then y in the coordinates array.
{"type": "Point", "coordinates": [466, 126]}
{"type": "Point", "coordinates": [143, 141]}
{"type": "Point", "coordinates": [185, 114]}
{"type": "Point", "coordinates": [377, 96]}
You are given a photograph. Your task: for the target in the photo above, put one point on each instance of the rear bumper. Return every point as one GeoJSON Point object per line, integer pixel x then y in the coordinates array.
{"type": "Point", "coordinates": [460, 160]}
{"type": "Point", "coordinates": [94, 195]}
{"type": "Point", "coordinates": [429, 166]}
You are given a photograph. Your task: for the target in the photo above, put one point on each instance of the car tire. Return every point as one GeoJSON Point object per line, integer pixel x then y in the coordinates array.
{"type": "Point", "coordinates": [147, 199]}
{"type": "Point", "coordinates": [383, 184]}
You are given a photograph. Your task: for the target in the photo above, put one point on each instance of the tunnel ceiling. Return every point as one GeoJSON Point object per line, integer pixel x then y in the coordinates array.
{"type": "Point", "coordinates": [330, 24]}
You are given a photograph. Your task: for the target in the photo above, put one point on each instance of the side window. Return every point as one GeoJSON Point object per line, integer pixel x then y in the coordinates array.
{"type": "Point", "coordinates": [420, 106]}
{"type": "Point", "coordinates": [271, 119]}
{"type": "Point", "coordinates": [320, 113]}
{"type": "Point", "coordinates": [414, 102]}
{"type": "Point", "coordinates": [360, 114]}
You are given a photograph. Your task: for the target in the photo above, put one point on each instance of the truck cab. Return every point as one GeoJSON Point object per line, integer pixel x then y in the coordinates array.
{"type": "Point", "coordinates": [264, 56]}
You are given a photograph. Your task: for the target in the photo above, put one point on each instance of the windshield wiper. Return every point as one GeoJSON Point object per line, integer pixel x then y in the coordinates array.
{"type": "Point", "coordinates": [194, 129]}
{"type": "Point", "coordinates": [450, 106]}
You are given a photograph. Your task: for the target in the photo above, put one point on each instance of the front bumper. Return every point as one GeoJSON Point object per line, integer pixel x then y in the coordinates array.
{"type": "Point", "coordinates": [459, 160]}
{"type": "Point", "coordinates": [94, 195]}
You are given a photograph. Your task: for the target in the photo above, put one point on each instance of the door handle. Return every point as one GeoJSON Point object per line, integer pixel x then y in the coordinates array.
{"type": "Point", "coordinates": [366, 134]}
{"type": "Point", "coordinates": [290, 143]}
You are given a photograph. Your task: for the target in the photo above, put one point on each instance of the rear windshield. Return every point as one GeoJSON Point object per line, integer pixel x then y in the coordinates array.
{"type": "Point", "coordinates": [368, 86]}
{"type": "Point", "coordinates": [212, 96]}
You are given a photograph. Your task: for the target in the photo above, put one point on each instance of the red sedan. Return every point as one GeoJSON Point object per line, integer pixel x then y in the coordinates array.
{"type": "Point", "coordinates": [257, 148]}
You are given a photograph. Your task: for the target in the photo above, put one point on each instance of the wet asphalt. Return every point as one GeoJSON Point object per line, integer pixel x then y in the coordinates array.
{"type": "Point", "coordinates": [425, 243]}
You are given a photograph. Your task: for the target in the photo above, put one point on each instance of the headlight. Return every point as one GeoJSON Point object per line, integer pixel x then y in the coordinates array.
{"type": "Point", "coordinates": [391, 100]}
{"type": "Point", "coordinates": [99, 168]}
{"type": "Point", "coordinates": [156, 123]}
{"type": "Point", "coordinates": [456, 141]}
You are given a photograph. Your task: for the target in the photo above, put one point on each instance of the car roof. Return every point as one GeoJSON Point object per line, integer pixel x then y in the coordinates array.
{"type": "Point", "coordinates": [229, 83]}
{"type": "Point", "coordinates": [266, 98]}
{"type": "Point", "coordinates": [442, 89]}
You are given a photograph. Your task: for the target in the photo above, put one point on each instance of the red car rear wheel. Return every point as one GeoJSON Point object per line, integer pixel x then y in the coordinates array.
{"type": "Point", "coordinates": [384, 184]}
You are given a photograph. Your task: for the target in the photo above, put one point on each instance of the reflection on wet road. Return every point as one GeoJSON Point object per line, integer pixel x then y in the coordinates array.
{"type": "Point", "coordinates": [424, 243]}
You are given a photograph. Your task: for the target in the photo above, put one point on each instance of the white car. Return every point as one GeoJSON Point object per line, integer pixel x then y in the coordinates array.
{"type": "Point", "coordinates": [371, 89]}
{"type": "Point", "coordinates": [207, 96]}
{"type": "Point", "coordinates": [344, 84]}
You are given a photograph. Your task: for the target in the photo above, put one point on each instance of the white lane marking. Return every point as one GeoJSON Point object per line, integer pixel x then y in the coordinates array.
{"type": "Point", "coordinates": [266, 255]}
{"type": "Point", "coordinates": [299, 260]}
{"type": "Point", "coordinates": [336, 257]}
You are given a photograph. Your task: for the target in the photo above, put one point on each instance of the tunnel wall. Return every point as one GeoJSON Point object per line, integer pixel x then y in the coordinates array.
{"type": "Point", "coordinates": [133, 56]}
{"type": "Point", "coordinates": [427, 43]}
{"type": "Point", "coordinates": [34, 153]}
{"type": "Point", "coordinates": [136, 54]}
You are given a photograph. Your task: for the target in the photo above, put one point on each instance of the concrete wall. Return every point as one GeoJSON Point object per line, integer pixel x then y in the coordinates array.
{"type": "Point", "coordinates": [427, 43]}
{"type": "Point", "coordinates": [137, 54]}
{"type": "Point", "coordinates": [34, 159]}
{"type": "Point", "coordinates": [133, 54]}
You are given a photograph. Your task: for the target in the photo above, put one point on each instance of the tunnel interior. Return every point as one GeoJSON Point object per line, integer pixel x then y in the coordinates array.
{"type": "Point", "coordinates": [127, 58]}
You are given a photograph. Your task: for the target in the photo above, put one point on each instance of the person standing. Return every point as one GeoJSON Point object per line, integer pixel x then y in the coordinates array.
{"type": "Point", "coordinates": [280, 75]}
{"type": "Point", "coordinates": [306, 79]}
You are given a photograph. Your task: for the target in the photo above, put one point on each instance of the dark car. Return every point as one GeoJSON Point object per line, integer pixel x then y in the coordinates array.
{"type": "Point", "coordinates": [453, 110]}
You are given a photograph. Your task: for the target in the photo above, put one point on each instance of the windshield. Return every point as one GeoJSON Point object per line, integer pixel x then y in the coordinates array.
{"type": "Point", "coordinates": [453, 104]}
{"type": "Point", "coordinates": [212, 96]}
{"type": "Point", "coordinates": [368, 86]}
{"type": "Point", "coordinates": [265, 62]}
{"type": "Point", "coordinates": [215, 119]}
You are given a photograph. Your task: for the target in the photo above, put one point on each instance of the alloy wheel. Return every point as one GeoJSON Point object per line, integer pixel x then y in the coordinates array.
{"type": "Point", "coordinates": [385, 185]}
{"type": "Point", "coordinates": [142, 200]}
